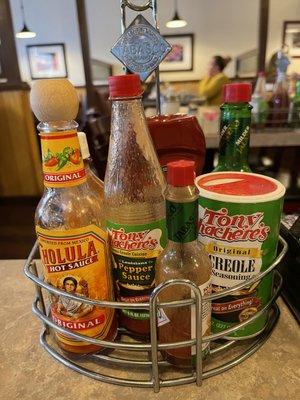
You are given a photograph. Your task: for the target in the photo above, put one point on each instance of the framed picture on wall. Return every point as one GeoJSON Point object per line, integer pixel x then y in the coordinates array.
{"type": "Point", "coordinates": [246, 64]}
{"type": "Point", "coordinates": [47, 60]}
{"type": "Point", "coordinates": [181, 57]}
{"type": "Point", "coordinates": [291, 37]}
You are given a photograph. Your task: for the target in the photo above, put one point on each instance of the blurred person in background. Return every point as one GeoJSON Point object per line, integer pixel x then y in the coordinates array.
{"type": "Point", "coordinates": [211, 85]}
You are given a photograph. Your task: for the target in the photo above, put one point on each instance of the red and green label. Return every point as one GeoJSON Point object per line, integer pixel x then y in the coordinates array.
{"type": "Point", "coordinates": [62, 159]}
{"type": "Point", "coordinates": [135, 249]}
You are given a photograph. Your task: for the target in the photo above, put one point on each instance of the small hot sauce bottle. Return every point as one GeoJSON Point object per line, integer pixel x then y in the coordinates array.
{"type": "Point", "coordinates": [183, 258]}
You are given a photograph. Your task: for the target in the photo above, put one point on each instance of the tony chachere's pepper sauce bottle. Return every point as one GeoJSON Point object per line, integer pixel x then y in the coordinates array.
{"type": "Point", "coordinates": [133, 191]}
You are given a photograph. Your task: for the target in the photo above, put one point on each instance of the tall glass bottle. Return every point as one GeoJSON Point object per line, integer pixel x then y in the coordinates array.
{"type": "Point", "coordinates": [133, 189]}
{"type": "Point", "coordinates": [259, 103]}
{"type": "Point", "coordinates": [279, 103]}
{"type": "Point", "coordinates": [69, 222]}
{"type": "Point", "coordinates": [294, 116]}
{"type": "Point", "coordinates": [235, 128]}
{"type": "Point", "coordinates": [184, 257]}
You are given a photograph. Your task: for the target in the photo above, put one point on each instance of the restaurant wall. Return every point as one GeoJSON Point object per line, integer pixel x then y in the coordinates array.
{"type": "Point", "coordinates": [214, 23]}
{"type": "Point", "coordinates": [220, 27]}
{"type": "Point", "coordinates": [54, 21]}
{"type": "Point", "coordinates": [287, 10]}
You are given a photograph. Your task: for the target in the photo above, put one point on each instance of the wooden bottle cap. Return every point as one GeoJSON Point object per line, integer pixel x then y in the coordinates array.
{"type": "Point", "coordinates": [54, 100]}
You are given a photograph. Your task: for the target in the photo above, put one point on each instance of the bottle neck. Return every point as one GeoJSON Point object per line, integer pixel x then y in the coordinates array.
{"type": "Point", "coordinates": [90, 168]}
{"type": "Point", "coordinates": [57, 126]}
{"type": "Point", "coordinates": [281, 77]}
{"type": "Point", "coordinates": [131, 147]}
{"type": "Point", "coordinates": [127, 122]}
{"type": "Point", "coordinates": [88, 164]}
{"type": "Point", "coordinates": [260, 87]}
{"type": "Point", "coordinates": [124, 109]}
{"type": "Point", "coordinates": [182, 214]}
{"type": "Point", "coordinates": [234, 137]}
{"type": "Point", "coordinates": [61, 156]}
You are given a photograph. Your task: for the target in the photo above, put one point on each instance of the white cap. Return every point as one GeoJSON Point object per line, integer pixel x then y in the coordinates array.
{"type": "Point", "coordinates": [84, 147]}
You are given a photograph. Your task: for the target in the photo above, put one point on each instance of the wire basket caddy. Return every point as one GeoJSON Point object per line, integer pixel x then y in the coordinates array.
{"type": "Point", "coordinates": [143, 357]}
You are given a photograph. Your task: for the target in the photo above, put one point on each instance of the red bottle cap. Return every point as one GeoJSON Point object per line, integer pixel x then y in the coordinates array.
{"type": "Point", "coordinates": [237, 92]}
{"type": "Point", "coordinates": [181, 173]}
{"type": "Point", "coordinates": [125, 86]}
{"type": "Point", "coordinates": [261, 73]}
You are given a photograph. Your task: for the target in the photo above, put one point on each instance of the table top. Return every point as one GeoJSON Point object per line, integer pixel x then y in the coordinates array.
{"type": "Point", "coordinates": [28, 372]}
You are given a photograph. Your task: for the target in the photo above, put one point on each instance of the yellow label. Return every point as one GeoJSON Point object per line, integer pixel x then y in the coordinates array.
{"type": "Point", "coordinates": [62, 160]}
{"type": "Point", "coordinates": [217, 248]}
{"type": "Point", "coordinates": [137, 254]}
{"type": "Point", "coordinates": [76, 261]}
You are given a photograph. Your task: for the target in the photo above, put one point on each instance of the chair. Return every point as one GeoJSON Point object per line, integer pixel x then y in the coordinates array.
{"type": "Point", "coordinates": [98, 133]}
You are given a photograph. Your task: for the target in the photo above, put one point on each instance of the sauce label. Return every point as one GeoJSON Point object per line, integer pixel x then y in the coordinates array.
{"type": "Point", "coordinates": [135, 249]}
{"type": "Point", "coordinates": [241, 240]}
{"type": "Point", "coordinates": [234, 133]}
{"type": "Point", "coordinates": [76, 261]}
{"type": "Point", "coordinates": [62, 160]}
{"type": "Point", "coordinates": [182, 221]}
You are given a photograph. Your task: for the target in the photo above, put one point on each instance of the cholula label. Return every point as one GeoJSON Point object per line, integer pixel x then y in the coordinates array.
{"type": "Point", "coordinates": [76, 262]}
{"type": "Point", "coordinates": [62, 160]}
{"type": "Point", "coordinates": [135, 249]}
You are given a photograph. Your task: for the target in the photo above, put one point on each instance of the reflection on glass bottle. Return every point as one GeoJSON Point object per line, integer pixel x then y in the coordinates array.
{"type": "Point", "coordinates": [279, 103]}
{"type": "Point", "coordinates": [294, 115]}
{"type": "Point", "coordinates": [259, 103]}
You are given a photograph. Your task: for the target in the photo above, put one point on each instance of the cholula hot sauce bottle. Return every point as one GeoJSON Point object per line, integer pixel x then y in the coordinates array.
{"type": "Point", "coordinates": [70, 229]}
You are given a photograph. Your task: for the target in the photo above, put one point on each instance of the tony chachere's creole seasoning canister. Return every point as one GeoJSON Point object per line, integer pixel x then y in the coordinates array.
{"type": "Point", "coordinates": [239, 218]}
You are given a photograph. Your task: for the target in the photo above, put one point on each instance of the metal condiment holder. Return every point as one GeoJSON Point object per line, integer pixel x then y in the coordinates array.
{"type": "Point", "coordinates": [141, 355]}
{"type": "Point", "coordinates": [152, 5]}
{"type": "Point", "coordinates": [125, 354]}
